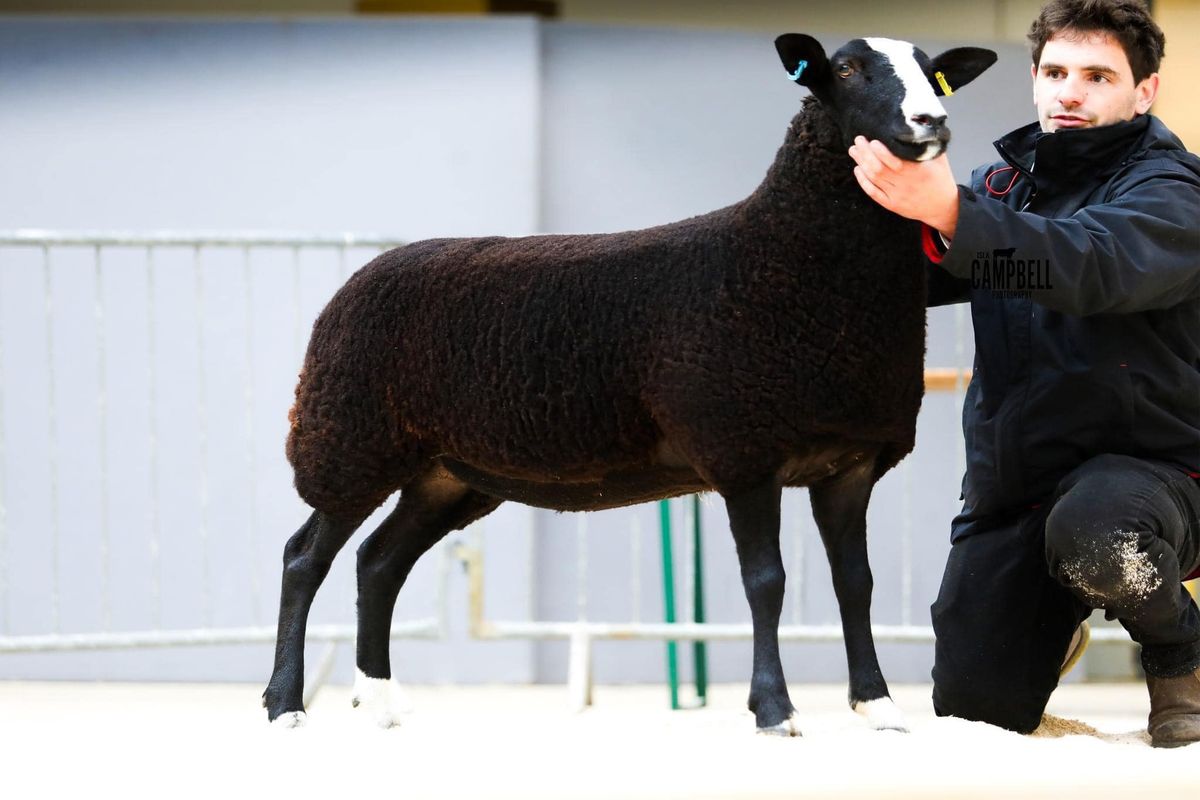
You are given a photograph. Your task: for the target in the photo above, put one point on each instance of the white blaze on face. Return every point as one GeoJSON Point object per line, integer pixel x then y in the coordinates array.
{"type": "Point", "coordinates": [919, 97]}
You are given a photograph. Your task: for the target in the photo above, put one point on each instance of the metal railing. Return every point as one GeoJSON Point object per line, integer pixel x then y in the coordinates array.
{"type": "Point", "coordinates": [50, 246]}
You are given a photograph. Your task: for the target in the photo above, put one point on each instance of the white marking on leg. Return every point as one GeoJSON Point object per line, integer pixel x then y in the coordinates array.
{"type": "Point", "coordinates": [789, 727]}
{"type": "Point", "coordinates": [290, 719]}
{"type": "Point", "coordinates": [919, 97]}
{"type": "Point", "coordinates": [381, 697]}
{"type": "Point", "coordinates": [882, 714]}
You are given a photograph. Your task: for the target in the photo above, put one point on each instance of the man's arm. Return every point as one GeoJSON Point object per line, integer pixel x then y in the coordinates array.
{"type": "Point", "coordinates": [921, 190]}
{"type": "Point", "coordinates": [1140, 250]}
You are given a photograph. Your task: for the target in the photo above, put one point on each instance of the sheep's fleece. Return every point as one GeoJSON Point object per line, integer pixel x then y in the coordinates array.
{"type": "Point", "coordinates": [742, 337]}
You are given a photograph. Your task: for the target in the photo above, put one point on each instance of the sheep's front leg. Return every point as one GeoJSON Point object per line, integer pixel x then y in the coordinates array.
{"type": "Point", "coordinates": [754, 520]}
{"type": "Point", "coordinates": [840, 509]}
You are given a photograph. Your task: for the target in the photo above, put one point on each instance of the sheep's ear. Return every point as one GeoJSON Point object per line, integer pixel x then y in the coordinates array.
{"type": "Point", "coordinates": [956, 68]}
{"type": "Point", "coordinates": [804, 59]}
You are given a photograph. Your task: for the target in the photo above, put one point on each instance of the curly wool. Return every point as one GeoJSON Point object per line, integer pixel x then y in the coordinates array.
{"type": "Point", "coordinates": [736, 339]}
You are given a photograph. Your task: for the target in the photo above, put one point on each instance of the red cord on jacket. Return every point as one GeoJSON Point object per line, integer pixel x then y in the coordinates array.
{"type": "Point", "coordinates": [987, 182]}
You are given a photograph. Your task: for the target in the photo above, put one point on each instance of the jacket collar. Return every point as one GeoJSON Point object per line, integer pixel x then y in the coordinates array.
{"type": "Point", "coordinates": [1065, 155]}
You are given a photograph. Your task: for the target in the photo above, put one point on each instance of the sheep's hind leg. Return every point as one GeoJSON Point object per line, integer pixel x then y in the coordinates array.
{"type": "Point", "coordinates": [428, 509]}
{"type": "Point", "coordinates": [754, 520]}
{"type": "Point", "coordinates": [840, 509]}
{"type": "Point", "coordinates": [306, 561]}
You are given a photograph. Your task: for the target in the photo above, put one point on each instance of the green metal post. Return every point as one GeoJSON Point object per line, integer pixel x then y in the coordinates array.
{"type": "Point", "coordinates": [668, 561]}
{"type": "Point", "coordinates": [699, 649]}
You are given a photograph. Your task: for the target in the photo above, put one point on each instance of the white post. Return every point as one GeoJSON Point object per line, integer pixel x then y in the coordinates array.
{"type": "Point", "coordinates": [579, 670]}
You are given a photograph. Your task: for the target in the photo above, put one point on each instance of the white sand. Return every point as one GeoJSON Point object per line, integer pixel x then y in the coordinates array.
{"type": "Point", "coordinates": [154, 740]}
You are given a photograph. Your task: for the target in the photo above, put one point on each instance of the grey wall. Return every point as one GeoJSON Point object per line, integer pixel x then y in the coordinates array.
{"type": "Point", "coordinates": [416, 128]}
{"type": "Point", "coordinates": [408, 127]}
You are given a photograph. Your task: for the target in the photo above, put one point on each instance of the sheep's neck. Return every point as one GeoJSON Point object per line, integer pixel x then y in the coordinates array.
{"type": "Point", "coordinates": [812, 170]}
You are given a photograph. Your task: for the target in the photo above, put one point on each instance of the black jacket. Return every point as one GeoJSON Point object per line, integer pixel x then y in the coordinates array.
{"type": "Point", "coordinates": [1100, 230]}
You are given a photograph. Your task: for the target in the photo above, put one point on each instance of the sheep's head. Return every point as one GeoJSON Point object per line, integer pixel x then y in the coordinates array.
{"type": "Point", "coordinates": [884, 89]}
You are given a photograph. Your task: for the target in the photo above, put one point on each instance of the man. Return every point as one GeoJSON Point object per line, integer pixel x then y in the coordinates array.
{"type": "Point", "coordinates": [1080, 255]}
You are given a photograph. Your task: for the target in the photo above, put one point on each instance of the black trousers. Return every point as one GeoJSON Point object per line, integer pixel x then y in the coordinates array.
{"type": "Point", "coordinates": [1119, 533]}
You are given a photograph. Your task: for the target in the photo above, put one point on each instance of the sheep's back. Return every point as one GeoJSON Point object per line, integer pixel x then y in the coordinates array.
{"type": "Point", "coordinates": [525, 356]}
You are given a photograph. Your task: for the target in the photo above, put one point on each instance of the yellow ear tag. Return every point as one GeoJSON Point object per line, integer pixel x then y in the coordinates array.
{"type": "Point", "coordinates": [941, 79]}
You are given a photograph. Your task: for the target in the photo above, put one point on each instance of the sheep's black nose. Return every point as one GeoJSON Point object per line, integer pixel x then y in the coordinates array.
{"type": "Point", "coordinates": [929, 121]}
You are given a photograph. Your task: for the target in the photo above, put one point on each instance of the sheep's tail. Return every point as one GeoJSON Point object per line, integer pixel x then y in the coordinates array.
{"type": "Point", "coordinates": [294, 422]}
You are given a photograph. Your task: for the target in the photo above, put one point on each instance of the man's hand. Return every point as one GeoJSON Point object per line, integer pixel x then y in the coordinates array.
{"type": "Point", "coordinates": [920, 190]}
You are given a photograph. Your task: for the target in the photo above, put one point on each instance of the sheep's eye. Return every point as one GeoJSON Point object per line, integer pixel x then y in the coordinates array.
{"type": "Point", "coordinates": [845, 70]}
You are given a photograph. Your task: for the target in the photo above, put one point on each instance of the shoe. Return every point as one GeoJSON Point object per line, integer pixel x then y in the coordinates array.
{"type": "Point", "coordinates": [1174, 710]}
{"type": "Point", "coordinates": [1079, 643]}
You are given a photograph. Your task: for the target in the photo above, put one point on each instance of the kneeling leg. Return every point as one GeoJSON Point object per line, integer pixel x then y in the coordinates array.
{"type": "Point", "coordinates": [1003, 626]}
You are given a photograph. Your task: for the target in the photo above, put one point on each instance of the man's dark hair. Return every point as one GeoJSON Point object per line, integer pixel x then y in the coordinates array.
{"type": "Point", "coordinates": [1127, 21]}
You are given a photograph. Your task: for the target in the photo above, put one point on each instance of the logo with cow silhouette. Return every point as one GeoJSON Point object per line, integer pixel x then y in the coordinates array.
{"type": "Point", "coordinates": [1007, 276]}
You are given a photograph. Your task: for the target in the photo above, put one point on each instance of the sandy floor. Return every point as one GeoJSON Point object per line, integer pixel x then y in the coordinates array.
{"type": "Point", "coordinates": [143, 740]}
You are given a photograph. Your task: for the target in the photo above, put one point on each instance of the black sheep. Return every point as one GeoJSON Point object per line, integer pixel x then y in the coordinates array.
{"type": "Point", "coordinates": [776, 342]}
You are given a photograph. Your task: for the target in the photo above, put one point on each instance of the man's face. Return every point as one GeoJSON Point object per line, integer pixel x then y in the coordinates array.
{"type": "Point", "coordinates": [1084, 81]}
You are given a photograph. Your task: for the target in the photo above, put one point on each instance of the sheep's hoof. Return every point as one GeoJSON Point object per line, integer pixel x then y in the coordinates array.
{"type": "Point", "coordinates": [789, 727]}
{"type": "Point", "coordinates": [290, 719]}
{"type": "Point", "coordinates": [381, 697]}
{"type": "Point", "coordinates": [882, 714]}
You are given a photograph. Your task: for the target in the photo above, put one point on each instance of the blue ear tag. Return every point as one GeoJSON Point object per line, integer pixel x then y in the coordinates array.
{"type": "Point", "coordinates": [799, 68]}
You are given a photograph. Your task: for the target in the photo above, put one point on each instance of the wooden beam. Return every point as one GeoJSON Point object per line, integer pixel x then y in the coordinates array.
{"type": "Point", "coordinates": [942, 379]}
